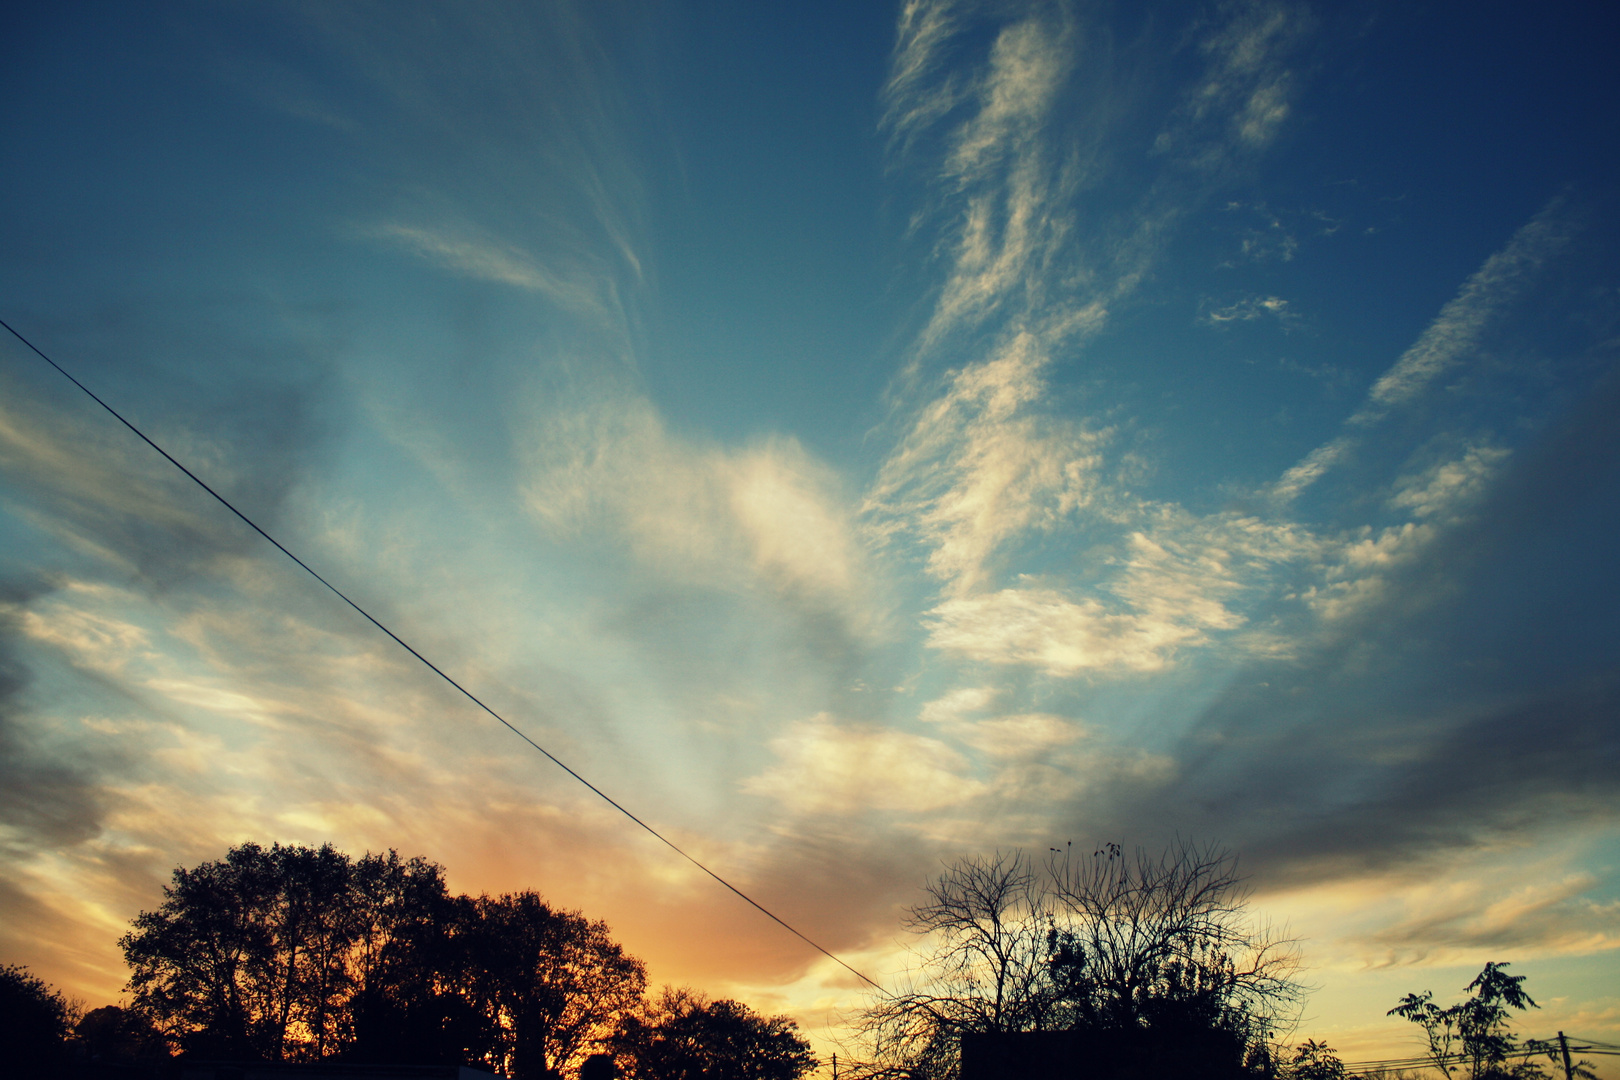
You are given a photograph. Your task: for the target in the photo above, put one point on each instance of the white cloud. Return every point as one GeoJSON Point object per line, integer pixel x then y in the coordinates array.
{"type": "Point", "coordinates": [1045, 629]}
{"type": "Point", "coordinates": [1177, 581]}
{"type": "Point", "coordinates": [1243, 97]}
{"type": "Point", "coordinates": [1264, 112]}
{"type": "Point", "coordinates": [1557, 916]}
{"type": "Point", "coordinates": [1448, 341]}
{"type": "Point", "coordinates": [1005, 208]}
{"type": "Point", "coordinates": [925, 29]}
{"type": "Point", "coordinates": [960, 712]}
{"type": "Point", "coordinates": [785, 506]}
{"type": "Point", "coordinates": [1023, 735]}
{"type": "Point", "coordinates": [1353, 573]}
{"type": "Point", "coordinates": [951, 707]}
{"type": "Point", "coordinates": [1353, 568]}
{"type": "Point", "coordinates": [1389, 547]}
{"type": "Point", "coordinates": [1249, 309]}
{"type": "Point", "coordinates": [85, 472]}
{"type": "Point", "coordinates": [983, 465]}
{"type": "Point", "coordinates": [97, 641]}
{"type": "Point", "coordinates": [466, 251]}
{"type": "Point", "coordinates": [1456, 332]}
{"type": "Point", "coordinates": [767, 513]}
{"type": "Point", "coordinates": [1454, 909]}
{"type": "Point", "coordinates": [1447, 486]}
{"type": "Point", "coordinates": [1028, 63]}
{"type": "Point", "coordinates": [1175, 584]}
{"type": "Point", "coordinates": [824, 767]}
{"type": "Point", "coordinates": [977, 469]}
{"type": "Point", "coordinates": [1311, 468]}
{"type": "Point", "coordinates": [1460, 912]}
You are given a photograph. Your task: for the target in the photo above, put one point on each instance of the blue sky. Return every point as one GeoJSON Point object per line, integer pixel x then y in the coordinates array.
{"type": "Point", "coordinates": [856, 435]}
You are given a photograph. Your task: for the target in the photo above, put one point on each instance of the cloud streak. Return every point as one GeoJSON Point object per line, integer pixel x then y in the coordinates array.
{"type": "Point", "coordinates": [1449, 341]}
{"type": "Point", "coordinates": [484, 259]}
{"type": "Point", "coordinates": [1456, 332]}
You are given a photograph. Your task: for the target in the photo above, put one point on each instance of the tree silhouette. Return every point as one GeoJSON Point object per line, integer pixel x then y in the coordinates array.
{"type": "Point", "coordinates": [118, 1036]}
{"type": "Point", "coordinates": [1146, 959]}
{"type": "Point", "coordinates": [1144, 936]}
{"type": "Point", "coordinates": [683, 1036]}
{"type": "Point", "coordinates": [550, 986]}
{"type": "Point", "coordinates": [303, 954]}
{"type": "Point", "coordinates": [267, 952]}
{"type": "Point", "coordinates": [404, 1007]}
{"type": "Point", "coordinates": [1315, 1061]}
{"type": "Point", "coordinates": [1475, 1032]}
{"type": "Point", "coordinates": [986, 922]}
{"type": "Point", "coordinates": [35, 1022]}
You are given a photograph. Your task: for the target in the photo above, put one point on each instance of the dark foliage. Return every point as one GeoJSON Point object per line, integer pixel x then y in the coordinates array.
{"type": "Point", "coordinates": [1140, 959]}
{"type": "Point", "coordinates": [1473, 1037]}
{"type": "Point", "coordinates": [35, 1022]}
{"type": "Point", "coordinates": [684, 1037]}
{"type": "Point", "coordinates": [266, 953]}
{"type": "Point", "coordinates": [1314, 1060]}
{"type": "Point", "coordinates": [302, 954]}
{"type": "Point", "coordinates": [549, 987]}
{"type": "Point", "coordinates": [114, 1036]}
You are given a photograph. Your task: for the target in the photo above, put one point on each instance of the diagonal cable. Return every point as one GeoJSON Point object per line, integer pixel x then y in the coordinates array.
{"type": "Point", "coordinates": [470, 696]}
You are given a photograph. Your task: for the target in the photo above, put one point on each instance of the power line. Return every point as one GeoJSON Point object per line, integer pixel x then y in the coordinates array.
{"type": "Point", "coordinates": [1586, 1046]}
{"type": "Point", "coordinates": [604, 796]}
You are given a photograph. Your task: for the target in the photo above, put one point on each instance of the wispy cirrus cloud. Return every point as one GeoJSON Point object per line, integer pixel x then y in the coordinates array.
{"type": "Point", "coordinates": [1175, 582]}
{"type": "Point", "coordinates": [1450, 485]}
{"type": "Point", "coordinates": [1449, 341]}
{"type": "Point", "coordinates": [1026, 278]}
{"type": "Point", "coordinates": [1458, 904]}
{"type": "Point", "coordinates": [1452, 749]}
{"type": "Point", "coordinates": [998, 186]}
{"type": "Point", "coordinates": [1027, 66]}
{"type": "Point", "coordinates": [982, 466]}
{"type": "Point", "coordinates": [1243, 96]}
{"type": "Point", "coordinates": [1248, 309]}
{"type": "Point", "coordinates": [1044, 629]}
{"type": "Point", "coordinates": [1538, 917]}
{"type": "Point", "coordinates": [913, 97]}
{"type": "Point", "coordinates": [1456, 332]}
{"type": "Point", "coordinates": [471, 254]}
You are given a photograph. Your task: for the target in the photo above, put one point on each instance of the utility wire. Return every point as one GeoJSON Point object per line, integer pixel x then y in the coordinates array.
{"type": "Point", "coordinates": [1576, 1046]}
{"type": "Point", "coordinates": [604, 796]}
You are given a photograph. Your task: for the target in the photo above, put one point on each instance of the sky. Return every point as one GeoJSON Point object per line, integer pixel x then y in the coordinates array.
{"type": "Point", "coordinates": [853, 436]}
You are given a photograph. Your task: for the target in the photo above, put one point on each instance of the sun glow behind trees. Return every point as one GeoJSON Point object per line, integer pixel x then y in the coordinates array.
{"type": "Point", "coordinates": [302, 954]}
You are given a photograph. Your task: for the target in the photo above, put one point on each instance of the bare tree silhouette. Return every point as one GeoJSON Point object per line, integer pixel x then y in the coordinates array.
{"type": "Point", "coordinates": [1151, 958]}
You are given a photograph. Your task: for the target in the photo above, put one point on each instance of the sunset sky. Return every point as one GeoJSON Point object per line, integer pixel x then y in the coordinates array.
{"type": "Point", "coordinates": [852, 435]}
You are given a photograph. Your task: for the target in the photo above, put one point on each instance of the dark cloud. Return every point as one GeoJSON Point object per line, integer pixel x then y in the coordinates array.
{"type": "Point", "coordinates": [249, 433]}
{"type": "Point", "coordinates": [45, 801]}
{"type": "Point", "coordinates": [1481, 700]}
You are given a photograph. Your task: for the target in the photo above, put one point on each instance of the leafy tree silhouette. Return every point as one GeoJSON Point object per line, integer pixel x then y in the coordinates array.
{"type": "Point", "coordinates": [302, 954]}
{"type": "Point", "coordinates": [683, 1036]}
{"type": "Point", "coordinates": [1475, 1032]}
{"type": "Point", "coordinates": [1314, 1060]}
{"type": "Point", "coordinates": [119, 1036]}
{"type": "Point", "coordinates": [267, 952]}
{"type": "Point", "coordinates": [549, 986]}
{"type": "Point", "coordinates": [35, 1021]}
